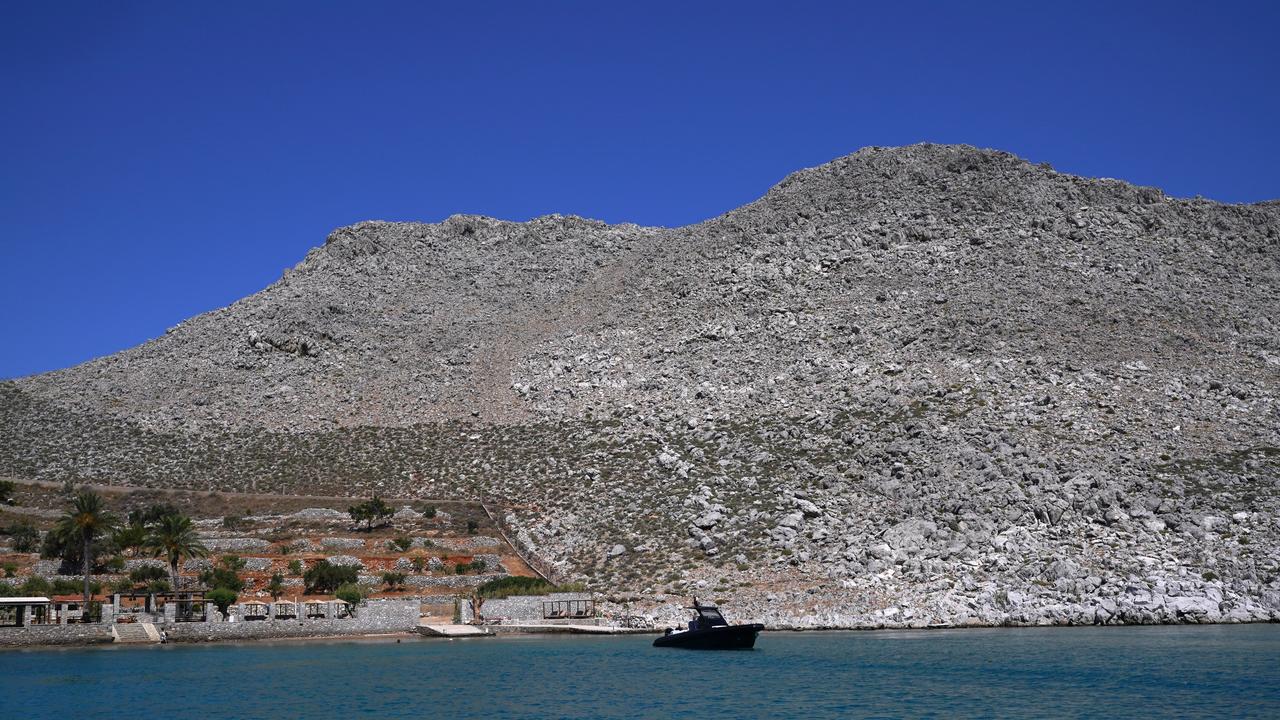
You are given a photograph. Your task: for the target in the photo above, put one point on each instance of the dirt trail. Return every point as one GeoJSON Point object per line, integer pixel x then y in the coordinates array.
{"type": "Point", "coordinates": [128, 489]}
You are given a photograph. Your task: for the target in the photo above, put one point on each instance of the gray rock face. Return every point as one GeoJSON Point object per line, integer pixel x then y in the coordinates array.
{"type": "Point", "coordinates": [906, 367]}
{"type": "Point", "coordinates": [911, 535]}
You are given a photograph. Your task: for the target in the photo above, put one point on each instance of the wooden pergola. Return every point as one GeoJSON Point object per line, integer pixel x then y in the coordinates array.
{"type": "Point", "coordinates": [254, 610]}
{"type": "Point", "coordinates": [190, 604]}
{"type": "Point", "coordinates": [573, 609]}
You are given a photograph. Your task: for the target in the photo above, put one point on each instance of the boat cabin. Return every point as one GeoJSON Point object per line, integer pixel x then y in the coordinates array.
{"type": "Point", "coordinates": [706, 617]}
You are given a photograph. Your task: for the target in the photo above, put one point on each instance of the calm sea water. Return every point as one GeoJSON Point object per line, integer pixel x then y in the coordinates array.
{"type": "Point", "coordinates": [1166, 672]}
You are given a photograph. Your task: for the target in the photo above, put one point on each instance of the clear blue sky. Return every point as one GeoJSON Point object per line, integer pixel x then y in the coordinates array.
{"type": "Point", "coordinates": [161, 160]}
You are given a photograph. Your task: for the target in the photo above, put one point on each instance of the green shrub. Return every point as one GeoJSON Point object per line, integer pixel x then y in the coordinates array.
{"type": "Point", "coordinates": [150, 515]}
{"type": "Point", "coordinates": [295, 567]}
{"type": "Point", "coordinates": [477, 565]}
{"type": "Point", "coordinates": [276, 586]}
{"type": "Point", "coordinates": [419, 563]}
{"type": "Point", "coordinates": [326, 577]}
{"type": "Point", "coordinates": [131, 538]}
{"type": "Point", "coordinates": [351, 593]}
{"type": "Point", "coordinates": [25, 537]}
{"type": "Point", "coordinates": [232, 562]}
{"type": "Point", "coordinates": [7, 487]}
{"type": "Point", "coordinates": [429, 511]}
{"type": "Point", "coordinates": [147, 574]}
{"type": "Point", "coordinates": [116, 563]}
{"type": "Point", "coordinates": [402, 543]}
{"type": "Point", "coordinates": [515, 585]}
{"type": "Point", "coordinates": [9, 590]}
{"type": "Point", "coordinates": [74, 586]}
{"type": "Point", "coordinates": [472, 527]}
{"type": "Point", "coordinates": [222, 598]}
{"type": "Point", "coordinates": [226, 574]}
{"type": "Point", "coordinates": [10, 569]}
{"type": "Point", "coordinates": [231, 522]}
{"type": "Point", "coordinates": [393, 579]}
{"type": "Point", "coordinates": [36, 586]}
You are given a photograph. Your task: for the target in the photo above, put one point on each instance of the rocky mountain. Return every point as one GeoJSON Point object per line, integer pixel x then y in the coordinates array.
{"type": "Point", "coordinates": [920, 385]}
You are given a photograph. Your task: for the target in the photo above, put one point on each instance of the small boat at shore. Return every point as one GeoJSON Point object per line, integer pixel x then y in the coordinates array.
{"type": "Point", "coordinates": [708, 630]}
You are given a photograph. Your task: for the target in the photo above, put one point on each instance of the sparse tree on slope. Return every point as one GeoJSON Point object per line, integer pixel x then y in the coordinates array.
{"type": "Point", "coordinates": [370, 511]}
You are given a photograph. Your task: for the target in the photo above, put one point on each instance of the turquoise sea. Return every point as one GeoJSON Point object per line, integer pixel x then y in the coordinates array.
{"type": "Point", "coordinates": [1163, 672]}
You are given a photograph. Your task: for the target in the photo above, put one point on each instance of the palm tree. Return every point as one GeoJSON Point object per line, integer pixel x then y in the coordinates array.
{"type": "Point", "coordinates": [85, 522]}
{"type": "Point", "coordinates": [175, 538]}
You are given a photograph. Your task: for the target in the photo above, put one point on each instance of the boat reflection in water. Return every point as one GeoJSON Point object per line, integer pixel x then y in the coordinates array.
{"type": "Point", "coordinates": [708, 630]}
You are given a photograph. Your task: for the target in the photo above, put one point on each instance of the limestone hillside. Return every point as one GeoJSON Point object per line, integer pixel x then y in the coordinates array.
{"type": "Point", "coordinates": [935, 377]}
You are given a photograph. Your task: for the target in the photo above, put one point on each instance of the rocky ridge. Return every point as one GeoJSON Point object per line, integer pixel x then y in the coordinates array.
{"type": "Point", "coordinates": [922, 385]}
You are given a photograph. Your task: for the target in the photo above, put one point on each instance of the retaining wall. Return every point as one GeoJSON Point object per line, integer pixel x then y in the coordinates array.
{"type": "Point", "coordinates": [55, 635]}
{"type": "Point", "coordinates": [375, 616]}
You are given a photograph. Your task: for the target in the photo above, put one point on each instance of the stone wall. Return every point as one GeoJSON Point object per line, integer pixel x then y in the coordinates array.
{"type": "Point", "coordinates": [454, 582]}
{"type": "Point", "coordinates": [55, 635]}
{"type": "Point", "coordinates": [374, 616]}
{"type": "Point", "coordinates": [467, 544]}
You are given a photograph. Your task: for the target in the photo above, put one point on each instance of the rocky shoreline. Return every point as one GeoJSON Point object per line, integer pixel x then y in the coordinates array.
{"type": "Point", "coordinates": [1137, 604]}
{"type": "Point", "coordinates": [827, 622]}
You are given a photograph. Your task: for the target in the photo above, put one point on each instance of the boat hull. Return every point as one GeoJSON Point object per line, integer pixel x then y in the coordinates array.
{"type": "Point", "coordinates": [732, 637]}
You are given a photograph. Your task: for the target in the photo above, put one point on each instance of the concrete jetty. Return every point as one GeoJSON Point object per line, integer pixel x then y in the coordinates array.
{"type": "Point", "coordinates": [458, 631]}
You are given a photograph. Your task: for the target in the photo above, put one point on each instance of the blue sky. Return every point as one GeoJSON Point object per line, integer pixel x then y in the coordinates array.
{"type": "Point", "coordinates": [160, 160]}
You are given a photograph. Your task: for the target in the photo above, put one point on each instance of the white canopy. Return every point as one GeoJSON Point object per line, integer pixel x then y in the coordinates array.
{"type": "Point", "coordinates": [24, 600]}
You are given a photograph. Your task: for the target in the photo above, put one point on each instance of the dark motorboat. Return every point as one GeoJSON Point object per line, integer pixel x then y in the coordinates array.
{"type": "Point", "coordinates": [708, 630]}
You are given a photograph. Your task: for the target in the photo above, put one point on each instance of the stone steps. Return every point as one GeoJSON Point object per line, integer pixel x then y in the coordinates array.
{"type": "Point", "coordinates": [135, 633]}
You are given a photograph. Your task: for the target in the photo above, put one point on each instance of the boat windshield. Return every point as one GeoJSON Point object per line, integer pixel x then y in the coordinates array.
{"type": "Point", "coordinates": [711, 617]}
